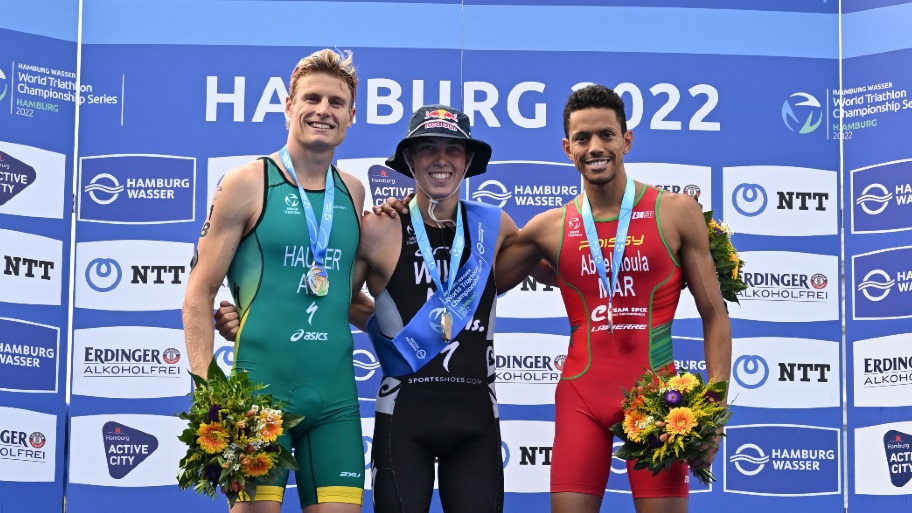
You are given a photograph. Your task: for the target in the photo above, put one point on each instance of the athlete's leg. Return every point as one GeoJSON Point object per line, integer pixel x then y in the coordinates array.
{"type": "Point", "coordinates": [403, 473]}
{"type": "Point", "coordinates": [573, 502]}
{"type": "Point", "coordinates": [257, 507]}
{"type": "Point", "coordinates": [666, 492]}
{"type": "Point", "coordinates": [331, 460]}
{"type": "Point", "coordinates": [332, 507]}
{"type": "Point", "coordinates": [661, 505]}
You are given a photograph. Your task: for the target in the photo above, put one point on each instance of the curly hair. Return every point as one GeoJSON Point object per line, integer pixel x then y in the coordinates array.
{"type": "Point", "coordinates": [594, 96]}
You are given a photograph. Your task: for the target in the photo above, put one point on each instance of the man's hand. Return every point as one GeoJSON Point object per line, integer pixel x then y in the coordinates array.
{"type": "Point", "coordinates": [393, 206]}
{"type": "Point", "coordinates": [226, 321]}
{"type": "Point", "coordinates": [706, 460]}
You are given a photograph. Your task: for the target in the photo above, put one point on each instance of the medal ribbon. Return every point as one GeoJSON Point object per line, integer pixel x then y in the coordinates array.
{"type": "Point", "coordinates": [427, 253]}
{"type": "Point", "coordinates": [319, 233]}
{"type": "Point", "coordinates": [620, 239]}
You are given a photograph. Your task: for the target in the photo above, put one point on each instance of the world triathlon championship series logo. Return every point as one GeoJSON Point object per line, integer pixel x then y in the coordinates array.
{"type": "Point", "coordinates": [386, 183]}
{"type": "Point", "coordinates": [882, 198]}
{"type": "Point", "coordinates": [898, 448]}
{"type": "Point", "coordinates": [15, 177]}
{"type": "Point", "coordinates": [802, 113]}
{"type": "Point", "coordinates": [125, 448]}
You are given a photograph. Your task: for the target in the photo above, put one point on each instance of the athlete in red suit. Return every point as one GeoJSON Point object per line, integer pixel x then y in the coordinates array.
{"type": "Point", "coordinates": [666, 243]}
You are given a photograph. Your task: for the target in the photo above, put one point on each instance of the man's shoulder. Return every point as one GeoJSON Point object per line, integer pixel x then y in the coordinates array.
{"type": "Point", "coordinates": [351, 181]}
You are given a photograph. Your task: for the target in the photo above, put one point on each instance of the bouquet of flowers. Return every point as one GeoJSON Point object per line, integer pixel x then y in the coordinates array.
{"type": "Point", "coordinates": [725, 256]}
{"type": "Point", "coordinates": [670, 417]}
{"type": "Point", "coordinates": [231, 436]}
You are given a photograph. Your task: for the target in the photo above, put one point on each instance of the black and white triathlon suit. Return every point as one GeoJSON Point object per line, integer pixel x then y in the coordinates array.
{"type": "Point", "coordinates": [447, 411]}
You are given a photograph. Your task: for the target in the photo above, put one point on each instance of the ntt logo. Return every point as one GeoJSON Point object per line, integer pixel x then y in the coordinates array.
{"type": "Point", "coordinates": [750, 371]}
{"type": "Point", "coordinates": [752, 458]}
{"type": "Point", "coordinates": [103, 274]}
{"type": "Point", "coordinates": [802, 106]}
{"type": "Point", "coordinates": [749, 199]}
{"type": "Point", "coordinates": [874, 199]}
{"type": "Point", "coordinates": [876, 280]}
{"type": "Point", "coordinates": [492, 192]}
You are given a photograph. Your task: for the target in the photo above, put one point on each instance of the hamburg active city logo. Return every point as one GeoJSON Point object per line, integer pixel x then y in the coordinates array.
{"type": "Point", "coordinates": [750, 371]}
{"type": "Point", "coordinates": [802, 113]}
{"type": "Point", "coordinates": [492, 192]}
{"type": "Point", "coordinates": [104, 189]}
{"type": "Point", "coordinates": [876, 285]}
{"type": "Point", "coordinates": [874, 199]}
{"type": "Point", "coordinates": [898, 448]}
{"type": "Point", "coordinates": [749, 199]}
{"type": "Point", "coordinates": [103, 274]}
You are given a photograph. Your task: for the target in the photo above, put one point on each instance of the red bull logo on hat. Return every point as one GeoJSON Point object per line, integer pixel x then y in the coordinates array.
{"type": "Point", "coordinates": [440, 114]}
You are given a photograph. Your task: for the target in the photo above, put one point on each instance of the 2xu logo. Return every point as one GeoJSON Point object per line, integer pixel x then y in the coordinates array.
{"type": "Point", "coordinates": [898, 447]}
{"type": "Point", "coordinates": [126, 448]}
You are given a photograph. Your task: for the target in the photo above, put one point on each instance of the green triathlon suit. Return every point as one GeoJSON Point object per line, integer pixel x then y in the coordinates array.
{"type": "Point", "coordinates": [301, 344]}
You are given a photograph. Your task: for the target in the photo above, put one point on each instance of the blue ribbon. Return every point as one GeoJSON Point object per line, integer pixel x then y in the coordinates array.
{"type": "Point", "coordinates": [620, 240]}
{"type": "Point", "coordinates": [420, 340]}
{"type": "Point", "coordinates": [319, 233]}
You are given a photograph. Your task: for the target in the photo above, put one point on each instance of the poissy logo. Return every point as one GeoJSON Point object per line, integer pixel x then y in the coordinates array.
{"type": "Point", "coordinates": [103, 274]}
{"type": "Point", "coordinates": [801, 105]}
{"type": "Point", "coordinates": [750, 371]}
{"type": "Point", "coordinates": [749, 199]}
{"type": "Point", "coordinates": [126, 448]}
{"type": "Point", "coordinates": [492, 192]}
{"type": "Point", "coordinates": [782, 460]}
{"type": "Point", "coordinates": [898, 447]}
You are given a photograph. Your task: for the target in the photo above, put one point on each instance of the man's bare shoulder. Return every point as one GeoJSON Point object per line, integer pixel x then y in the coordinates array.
{"type": "Point", "coordinates": [245, 175]}
{"type": "Point", "coordinates": [351, 181]}
{"type": "Point", "coordinates": [680, 206]}
{"type": "Point", "coordinates": [550, 219]}
{"type": "Point", "coordinates": [376, 228]}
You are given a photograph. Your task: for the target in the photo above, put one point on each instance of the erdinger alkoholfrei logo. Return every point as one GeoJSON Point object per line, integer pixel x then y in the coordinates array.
{"type": "Point", "coordinates": [876, 285]}
{"type": "Point", "coordinates": [749, 199]}
{"type": "Point", "coordinates": [15, 176]}
{"type": "Point", "coordinates": [750, 371]}
{"type": "Point", "coordinates": [898, 447]}
{"type": "Point", "coordinates": [802, 113]}
{"type": "Point", "coordinates": [104, 189]}
{"type": "Point", "coordinates": [125, 448]}
{"type": "Point", "coordinates": [874, 199]}
{"type": "Point", "coordinates": [492, 192]}
{"type": "Point", "coordinates": [386, 183]}
{"type": "Point", "coordinates": [37, 440]}
{"type": "Point", "coordinates": [103, 274]}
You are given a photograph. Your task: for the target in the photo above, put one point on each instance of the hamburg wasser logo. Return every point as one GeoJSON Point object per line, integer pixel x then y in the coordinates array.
{"type": "Point", "coordinates": [883, 284]}
{"type": "Point", "coordinates": [802, 113]}
{"type": "Point", "coordinates": [898, 447]}
{"type": "Point", "coordinates": [15, 176]}
{"type": "Point", "coordinates": [492, 192]}
{"type": "Point", "coordinates": [874, 199]}
{"type": "Point", "coordinates": [882, 198]}
{"type": "Point", "coordinates": [126, 448]}
{"type": "Point", "coordinates": [137, 189]}
{"type": "Point", "coordinates": [750, 371]}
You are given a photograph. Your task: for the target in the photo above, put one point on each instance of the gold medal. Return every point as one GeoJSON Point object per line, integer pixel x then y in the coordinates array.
{"type": "Point", "coordinates": [318, 280]}
{"type": "Point", "coordinates": [610, 318]}
{"type": "Point", "coordinates": [446, 322]}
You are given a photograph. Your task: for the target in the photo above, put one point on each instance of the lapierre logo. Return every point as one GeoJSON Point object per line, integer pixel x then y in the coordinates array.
{"type": "Point", "coordinates": [125, 448]}
{"type": "Point", "coordinates": [528, 368]}
{"type": "Point", "coordinates": [138, 362]}
{"type": "Point", "coordinates": [802, 113]}
{"type": "Point", "coordinates": [898, 448]}
{"type": "Point", "coordinates": [882, 197]}
{"type": "Point", "coordinates": [18, 445]}
{"type": "Point", "coordinates": [28, 356]}
{"type": "Point", "coordinates": [15, 176]}
{"type": "Point", "coordinates": [883, 284]}
{"type": "Point", "coordinates": [782, 460]}
{"type": "Point", "coordinates": [137, 189]}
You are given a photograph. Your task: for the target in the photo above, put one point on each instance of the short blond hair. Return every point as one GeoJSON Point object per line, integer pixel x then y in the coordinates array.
{"type": "Point", "coordinates": [329, 62]}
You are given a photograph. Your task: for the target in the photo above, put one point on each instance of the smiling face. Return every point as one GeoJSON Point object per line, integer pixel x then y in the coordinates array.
{"type": "Point", "coordinates": [320, 111]}
{"type": "Point", "coordinates": [439, 163]}
{"type": "Point", "coordinates": [596, 144]}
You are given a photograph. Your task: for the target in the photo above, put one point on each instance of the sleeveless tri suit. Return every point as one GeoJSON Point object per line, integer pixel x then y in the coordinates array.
{"type": "Point", "coordinates": [301, 344]}
{"type": "Point", "coordinates": [600, 364]}
{"type": "Point", "coordinates": [447, 410]}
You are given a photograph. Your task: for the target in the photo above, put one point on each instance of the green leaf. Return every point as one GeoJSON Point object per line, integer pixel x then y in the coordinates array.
{"type": "Point", "coordinates": [290, 420]}
{"type": "Point", "coordinates": [215, 372]}
{"type": "Point", "coordinates": [286, 460]}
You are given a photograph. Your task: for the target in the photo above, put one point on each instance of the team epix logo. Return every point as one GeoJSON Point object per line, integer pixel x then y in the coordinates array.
{"type": "Point", "coordinates": [802, 112]}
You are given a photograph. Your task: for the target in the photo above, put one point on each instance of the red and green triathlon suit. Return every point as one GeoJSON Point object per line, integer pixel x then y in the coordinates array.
{"type": "Point", "coordinates": [301, 344]}
{"type": "Point", "coordinates": [600, 364]}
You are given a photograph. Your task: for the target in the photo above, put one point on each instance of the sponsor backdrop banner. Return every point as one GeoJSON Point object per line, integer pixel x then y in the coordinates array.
{"type": "Point", "coordinates": [877, 113]}
{"type": "Point", "coordinates": [37, 126]}
{"type": "Point", "coordinates": [175, 99]}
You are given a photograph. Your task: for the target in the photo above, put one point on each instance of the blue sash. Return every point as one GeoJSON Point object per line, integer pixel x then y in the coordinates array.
{"type": "Point", "coordinates": [422, 338]}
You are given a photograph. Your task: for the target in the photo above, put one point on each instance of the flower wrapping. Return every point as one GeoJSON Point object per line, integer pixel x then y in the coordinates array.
{"type": "Point", "coordinates": [671, 417]}
{"type": "Point", "coordinates": [231, 436]}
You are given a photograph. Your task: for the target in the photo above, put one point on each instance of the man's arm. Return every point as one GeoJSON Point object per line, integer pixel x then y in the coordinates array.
{"type": "Point", "coordinates": [700, 273]}
{"type": "Point", "coordinates": [529, 251]}
{"type": "Point", "coordinates": [233, 205]}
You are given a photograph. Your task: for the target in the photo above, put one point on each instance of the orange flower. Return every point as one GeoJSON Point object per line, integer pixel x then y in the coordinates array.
{"type": "Point", "coordinates": [271, 427]}
{"type": "Point", "coordinates": [683, 383]}
{"type": "Point", "coordinates": [680, 421]}
{"type": "Point", "coordinates": [212, 437]}
{"type": "Point", "coordinates": [631, 427]}
{"type": "Point", "coordinates": [256, 465]}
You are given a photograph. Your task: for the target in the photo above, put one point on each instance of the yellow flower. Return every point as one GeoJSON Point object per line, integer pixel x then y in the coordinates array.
{"type": "Point", "coordinates": [212, 437]}
{"type": "Point", "coordinates": [683, 383]}
{"type": "Point", "coordinates": [680, 421]}
{"type": "Point", "coordinates": [734, 258]}
{"type": "Point", "coordinates": [271, 427]}
{"type": "Point", "coordinates": [631, 425]}
{"type": "Point", "coordinates": [256, 465]}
